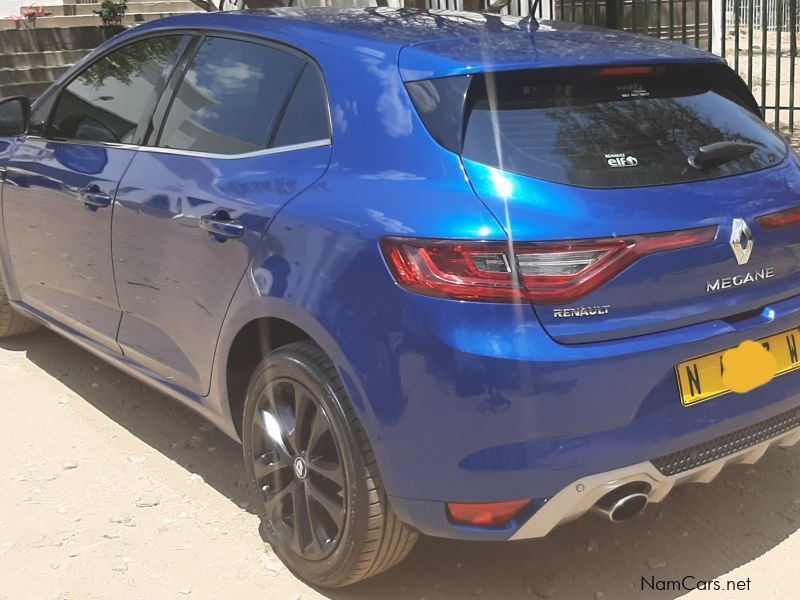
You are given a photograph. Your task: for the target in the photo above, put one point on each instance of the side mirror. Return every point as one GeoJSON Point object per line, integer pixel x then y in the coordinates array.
{"type": "Point", "coordinates": [15, 116]}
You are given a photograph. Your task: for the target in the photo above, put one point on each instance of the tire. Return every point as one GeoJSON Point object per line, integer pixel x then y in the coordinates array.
{"type": "Point", "coordinates": [357, 535]}
{"type": "Point", "coordinates": [12, 322]}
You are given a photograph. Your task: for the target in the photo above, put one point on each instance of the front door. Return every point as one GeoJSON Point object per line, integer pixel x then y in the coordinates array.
{"type": "Point", "coordinates": [61, 182]}
{"type": "Point", "coordinates": [246, 131]}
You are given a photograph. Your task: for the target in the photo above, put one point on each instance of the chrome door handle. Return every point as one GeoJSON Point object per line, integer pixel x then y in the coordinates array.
{"type": "Point", "coordinates": [93, 198]}
{"type": "Point", "coordinates": [220, 223]}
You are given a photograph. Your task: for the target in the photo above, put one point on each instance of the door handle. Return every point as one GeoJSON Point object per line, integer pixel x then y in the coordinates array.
{"type": "Point", "coordinates": [93, 198]}
{"type": "Point", "coordinates": [220, 224]}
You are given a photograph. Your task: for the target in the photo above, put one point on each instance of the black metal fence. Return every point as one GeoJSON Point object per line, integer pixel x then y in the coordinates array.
{"type": "Point", "coordinates": [761, 44]}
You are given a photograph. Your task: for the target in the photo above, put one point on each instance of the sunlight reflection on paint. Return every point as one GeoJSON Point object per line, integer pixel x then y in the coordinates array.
{"type": "Point", "coordinates": [502, 184]}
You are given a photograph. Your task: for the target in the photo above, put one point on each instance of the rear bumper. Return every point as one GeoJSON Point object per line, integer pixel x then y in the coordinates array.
{"type": "Point", "coordinates": [699, 464]}
{"type": "Point", "coordinates": [470, 402]}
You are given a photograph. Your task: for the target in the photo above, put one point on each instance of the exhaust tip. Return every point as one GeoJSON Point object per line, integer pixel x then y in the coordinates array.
{"type": "Point", "coordinates": [624, 502]}
{"type": "Point", "coordinates": [628, 507]}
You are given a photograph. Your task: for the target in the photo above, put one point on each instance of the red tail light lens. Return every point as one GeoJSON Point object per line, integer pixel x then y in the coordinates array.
{"type": "Point", "coordinates": [543, 273]}
{"type": "Point", "coordinates": [564, 272]}
{"type": "Point", "coordinates": [491, 514]}
{"type": "Point", "coordinates": [777, 220]}
{"type": "Point", "coordinates": [456, 270]}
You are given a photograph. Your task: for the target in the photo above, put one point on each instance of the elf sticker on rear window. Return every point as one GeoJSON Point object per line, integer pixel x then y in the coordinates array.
{"type": "Point", "coordinates": [621, 160]}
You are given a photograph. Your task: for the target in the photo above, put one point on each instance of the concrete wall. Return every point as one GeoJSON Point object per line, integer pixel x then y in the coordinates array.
{"type": "Point", "coordinates": [10, 8]}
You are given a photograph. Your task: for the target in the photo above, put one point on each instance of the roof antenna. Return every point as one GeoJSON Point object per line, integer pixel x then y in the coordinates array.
{"type": "Point", "coordinates": [530, 21]}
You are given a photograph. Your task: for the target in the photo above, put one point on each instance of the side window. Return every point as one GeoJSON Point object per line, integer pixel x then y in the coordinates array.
{"type": "Point", "coordinates": [231, 98]}
{"type": "Point", "coordinates": [306, 118]}
{"type": "Point", "coordinates": [108, 99]}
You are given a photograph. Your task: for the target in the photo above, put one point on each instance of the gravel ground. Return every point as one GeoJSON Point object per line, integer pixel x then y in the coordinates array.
{"type": "Point", "coordinates": [111, 490]}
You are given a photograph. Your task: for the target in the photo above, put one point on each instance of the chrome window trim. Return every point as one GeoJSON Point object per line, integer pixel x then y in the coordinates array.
{"type": "Point", "coordinates": [176, 151]}
{"type": "Point", "coordinates": [120, 146]}
{"type": "Point", "coordinates": [254, 153]}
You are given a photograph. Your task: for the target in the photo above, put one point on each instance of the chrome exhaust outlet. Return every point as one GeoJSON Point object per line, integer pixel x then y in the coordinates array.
{"type": "Point", "coordinates": [623, 503]}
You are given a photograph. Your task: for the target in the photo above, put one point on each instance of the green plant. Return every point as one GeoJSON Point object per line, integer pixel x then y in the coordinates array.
{"type": "Point", "coordinates": [111, 13]}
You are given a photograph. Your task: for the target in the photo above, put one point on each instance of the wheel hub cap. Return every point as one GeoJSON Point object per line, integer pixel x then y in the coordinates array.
{"type": "Point", "coordinates": [300, 468]}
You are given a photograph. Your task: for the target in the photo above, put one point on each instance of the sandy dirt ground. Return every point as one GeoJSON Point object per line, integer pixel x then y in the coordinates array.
{"type": "Point", "coordinates": [110, 490]}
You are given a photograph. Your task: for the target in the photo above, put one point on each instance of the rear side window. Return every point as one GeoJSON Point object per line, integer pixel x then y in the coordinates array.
{"type": "Point", "coordinates": [306, 118]}
{"type": "Point", "coordinates": [234, 96]}
{"type": "Point", "coordinates": [106, 101]}
{"type": "Point", "coordinates": [614, 127]}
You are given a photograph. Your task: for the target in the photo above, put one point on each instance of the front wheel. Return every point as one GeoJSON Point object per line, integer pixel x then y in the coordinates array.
{"type": "Point", "coordinates": [12, 322]}
{"type": "Point", "coordinates": [316, 485]}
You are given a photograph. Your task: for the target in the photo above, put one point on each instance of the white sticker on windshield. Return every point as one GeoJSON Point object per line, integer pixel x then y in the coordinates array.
{"type": "Point", "coordinates": [621, 160]}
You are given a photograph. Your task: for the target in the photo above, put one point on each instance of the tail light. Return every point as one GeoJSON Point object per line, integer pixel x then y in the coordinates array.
{"type": "Point", "coordinates": [543, 273]}
{"type": "Point", "coordinates": [777, 220]}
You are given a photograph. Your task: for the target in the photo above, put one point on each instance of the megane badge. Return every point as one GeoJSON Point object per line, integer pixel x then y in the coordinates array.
{"type": "Point", "coordinates": [741, 241]}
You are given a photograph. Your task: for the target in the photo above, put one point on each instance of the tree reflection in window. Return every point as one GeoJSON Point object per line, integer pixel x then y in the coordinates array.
{"type": "Point", "coordinates": [570, 126]}
{"type": "Point", "coordinates": [106, 101]}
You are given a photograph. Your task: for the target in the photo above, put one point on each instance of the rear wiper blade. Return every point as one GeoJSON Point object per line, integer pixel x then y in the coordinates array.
{"type": "Point", "coordinates": [718, 153]}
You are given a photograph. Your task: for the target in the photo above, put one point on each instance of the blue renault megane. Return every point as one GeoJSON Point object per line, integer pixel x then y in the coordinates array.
{"type": "Point", "coordinates": [441, 273]}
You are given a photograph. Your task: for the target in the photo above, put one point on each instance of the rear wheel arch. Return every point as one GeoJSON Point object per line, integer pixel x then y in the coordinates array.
{"type": "Point", "coordinates": [252, 343]}
{"type": "Point", "coordinates": [257, 336]}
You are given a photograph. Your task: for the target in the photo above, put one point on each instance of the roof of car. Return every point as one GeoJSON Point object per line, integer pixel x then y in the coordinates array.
{"type": "Point", "coordinates": [441, 43]}
{"type": "Point", "coordinates": [401, 26]}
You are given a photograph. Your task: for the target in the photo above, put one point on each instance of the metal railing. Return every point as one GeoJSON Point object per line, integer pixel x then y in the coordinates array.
{"type": "Point", "coordinates": [766, 57]}
{"type": "Point", "coordinates": [757, 9]}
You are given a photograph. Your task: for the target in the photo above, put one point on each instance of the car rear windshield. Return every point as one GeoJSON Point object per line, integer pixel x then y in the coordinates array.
{"type": "Point", "coordinates": [604, 127]}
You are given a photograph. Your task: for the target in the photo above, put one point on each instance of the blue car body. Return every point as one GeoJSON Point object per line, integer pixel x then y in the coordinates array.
{"type": "Point", "coordinates": [471, 402]}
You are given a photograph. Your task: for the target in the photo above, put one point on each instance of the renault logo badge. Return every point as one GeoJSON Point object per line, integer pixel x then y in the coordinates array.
{"type": "Point", "coordinates": [741, 241]}
{"type": "Point", "coordinates": [300, 467]}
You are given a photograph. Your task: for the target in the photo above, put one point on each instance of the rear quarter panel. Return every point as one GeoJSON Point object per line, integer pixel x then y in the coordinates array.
{"type": "Point", "coordinates": [319, 265]}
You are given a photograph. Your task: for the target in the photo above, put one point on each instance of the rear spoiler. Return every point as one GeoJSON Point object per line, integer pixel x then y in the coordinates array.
{"type": "Point", "coordinates": [552, 45]}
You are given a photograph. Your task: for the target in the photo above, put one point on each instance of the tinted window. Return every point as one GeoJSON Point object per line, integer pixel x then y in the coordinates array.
{"type": "Point", "coordinates": [40, 114]}
{"type": "Point", "coordinates": [231, 98]}
{"type": "Point", "coordinates": [306, 117]}
{"type": "Point", "coordinates": [612, 127]}
{"type": "Point", "coordinates": [107, 100]}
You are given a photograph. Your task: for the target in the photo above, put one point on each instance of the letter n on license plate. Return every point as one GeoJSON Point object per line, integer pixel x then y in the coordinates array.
{"type": "Point", "coordinates": [700, 379]}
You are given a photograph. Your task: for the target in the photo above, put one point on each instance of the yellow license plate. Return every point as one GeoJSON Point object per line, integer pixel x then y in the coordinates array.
{"type": "Point", "coordinates": [700, 379]}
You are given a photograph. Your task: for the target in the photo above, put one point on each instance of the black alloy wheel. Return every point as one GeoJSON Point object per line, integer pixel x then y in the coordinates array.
{"type": "Point", "coordinates": [315, 481]}
{"type": "Point", "coordinates": [298, 470]}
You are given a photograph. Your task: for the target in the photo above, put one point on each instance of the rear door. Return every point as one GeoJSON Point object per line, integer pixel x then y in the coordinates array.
{"type": "Point", "coordinates": [245, 131]}
{"type": "Point", "coordinates": [61, 182]}
{"type": "Point", "coordinates": [616, 233]}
